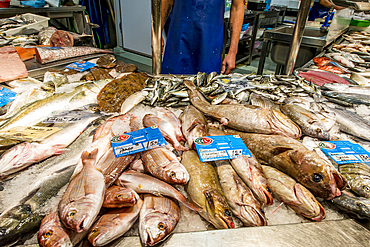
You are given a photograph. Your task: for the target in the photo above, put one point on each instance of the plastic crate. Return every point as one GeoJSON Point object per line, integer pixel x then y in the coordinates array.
{"type": "Point", "coordinates": [359, 23]}
{"type": "Point", "coordinates": [41, 22]}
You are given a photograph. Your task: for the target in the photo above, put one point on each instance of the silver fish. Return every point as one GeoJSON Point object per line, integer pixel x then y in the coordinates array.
{"type": "Point", "coordinates": [132, 101]}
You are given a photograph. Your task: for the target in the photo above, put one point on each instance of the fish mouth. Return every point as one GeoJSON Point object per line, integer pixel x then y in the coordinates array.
{"type": "Point", "coordinates": [302, 194]}
{"type": "Point", "coordinates": [256, 218]}
{"type": "Point", "coordinates": [80, 225]}
{"type": "Point", "coordinates": [322, 214]}
{"type": "Point", "coordinates": [225, 222]}
{"type": "Point", "coordinates": [150, 240]}
{"type": "Point", "coordinates": [337, 182]}
{"type": "Point", "coordinates": [268, 196]}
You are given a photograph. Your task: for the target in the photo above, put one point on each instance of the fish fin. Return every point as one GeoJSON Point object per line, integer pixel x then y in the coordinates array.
{"type": "Point", "coordinates": [280, 150]}
{"type": "Point", "coordinates": [190, 84]}
{"type": "Point", "coordinates": [281, 204]}
{"type": "Point", "coordinates": [59, 149]}
{"type": "Point", "coordinates": [86, 156]}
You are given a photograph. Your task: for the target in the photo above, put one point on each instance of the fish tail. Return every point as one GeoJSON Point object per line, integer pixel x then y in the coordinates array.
{"type": "Point", "coordinates": [58, 149]}
{"type": "Point", "coordinates": [190, 84]}
{"type": "Point", "coordinates": [87, 157]}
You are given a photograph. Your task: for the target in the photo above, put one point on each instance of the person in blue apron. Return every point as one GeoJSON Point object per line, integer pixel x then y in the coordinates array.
{"type": "Point", "coordinates": [321, 8]}
{"type": "Point", "coordinates": [195, 36]}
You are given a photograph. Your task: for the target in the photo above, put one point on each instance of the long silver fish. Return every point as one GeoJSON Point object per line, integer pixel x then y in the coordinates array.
{"type": "Point", "coordinates": [239, 197]}
{"type": "Point", "coordinates": [158, 218]}
{"type": "Point", "coordinates": [310, 124]}
{"type": "Point", "coordinates": [245, 118]}
{"type": "Point", "coordinates": [114, 224]}
{"type": "Point", "coordinates": [296, 196]}
{"type": "Point", "coordinates": [84, 196]}
{"type": "Point", "coordinates": [142, 183]}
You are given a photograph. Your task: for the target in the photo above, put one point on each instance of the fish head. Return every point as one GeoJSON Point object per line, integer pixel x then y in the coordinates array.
{"type": "Point", "coordinates": [361, 187]}
{"type": "Point", "coordinates": [252, 216]}
{"type": "Point", "coordinates": [52, 234]}
{"type": "Point", "coordinates": [155, 228]}
{"type": "Point", "coordinates": [218, 210]}
{"type": "Point", "coordinates": [176, 173]}
{"type": "Point", "coordinates": [318, 130]}
{"type": "Point", "coordinates": [100, 235]}
{"type": "Point", "coordinates": [117, 196]}
{"type": "Point", "coordinates": [76, 216]}
{"type": "Point", "coordinates": [320, 177]}
{"type": "Point", "coordinates": [150, 120]}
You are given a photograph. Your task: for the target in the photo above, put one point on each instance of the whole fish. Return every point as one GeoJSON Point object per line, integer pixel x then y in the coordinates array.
{"type": "Point", "coordinates": [250, 171]}
{"type": "Point", "coordinates": [204, 190]}
{"type": "Point", "coordinates": [53, 233]}
{"type": "Point", "coordinates": [118, 197]}
{"type": "Point", "coordinates": [25, 217]}
{"type": "Point", "coordinates": [254, 119]}
{"type": "Point", "coordinates": [259, 100]}
{"type": "Point", "coordinates": [293, 194]}
{"type": "Point", "coordinates": [158, 218]}
{"type": "Point", "coordinates": [346, 88]}
{"type": "Point", "coordinates": [294, 159]}
{"type": "Point", "coordinates": [327, 116]}
{"type": "Point", "coordinates": [352, 123]}
{"type": "Point", "coordinates": [307, 120]}
{"type": "Point", "coordinates": [84, 196]}
{"type": "Point", "coordinates": [132, 101]}
{"type": "Point", "coordinates": [350, 98]}
{"type": "Point", "coordinates": [46, 55]}
{"type": "Point", "coordinates": [26, 153]}
{"type": "Point", "coordinates": [114, 224]}
{"type": "Point", "coordinates": [353, 205]}
{"type": "Point", "coordinates": [239, 197]}
{"type": "Point", "coordinates": [171, 118]}
{"type": "Point", "coordinates": [167, 130]}
{"type": "Point", "coordinates": [142, 183]}
{"type": "Point", "coordinates": [358, 177]}
{"type": "Point", "coordinates": [194, 124]}
{"type": "Point", "coordinates": [163, 164]}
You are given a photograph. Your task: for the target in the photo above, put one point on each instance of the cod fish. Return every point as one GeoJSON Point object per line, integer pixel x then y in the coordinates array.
{"type": "Point", "coordinates": [358, 177]}
{"type": "Point", "coordinates": [114, 224]}
{"type": "Point", "coordinates": [239, 197]}
{"type": "Point", "coordinates": [307, 120]}
{"type": "Point", "coordinates": [204, 189]}
{"type": "Point", "coordinates": [350, 204]}
{"type": "Point", "coordinates": [132, 101]}
{"type": "Point", "coordinates": [163, 164]}
{"type": "Point", "coordinates": [25, 217]}
{"type": "Point", "coordinates": [119, 197]}
{"type": "Point", "coordinates": [194, 124]}
{"type": "Point", "coordinates": [294, 159]}
{"type": "Point", "coordinates": [293, 194]}
{"type": "Point", "coordinates": [158, 218]}
{"type": "Point", "coordinates": [244, 117]}
{"type": "Point", "coordinates": [84, 196]}
{"type": "Point", "coordinates": [26, 153]}
{"type": "Point", "coordinates": [171, 118]}
{"type": "Point", "coordinates": [167, 130]}
{"type": "Point", "coordinates": [53, 233]}
{"type": "Point", "coordinates": [142, 183]}
{"type": "Point", "coordinates": [250, 171]}
{"type": "Point", "coordinates": [352, 123]}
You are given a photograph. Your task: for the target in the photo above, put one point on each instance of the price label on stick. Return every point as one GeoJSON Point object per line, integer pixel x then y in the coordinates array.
{"type": "Point", "coordinates": [344, 152]}
{"type": "Point", "coordinates": [137, 141]}
{"type": "Point", "coordinates": [66, 116]}
{"type": "Point", "coordinates": [211, 148]}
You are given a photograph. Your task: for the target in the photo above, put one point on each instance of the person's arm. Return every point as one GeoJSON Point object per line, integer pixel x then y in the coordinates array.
{"type": "Point", "coordinates": [328, 4]}
{"type": "Point", "coordinates": [236, 22]}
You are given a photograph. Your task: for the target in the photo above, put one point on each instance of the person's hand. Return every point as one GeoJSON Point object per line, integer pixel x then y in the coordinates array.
{"type": "Point", "coordinates": [228, 64]}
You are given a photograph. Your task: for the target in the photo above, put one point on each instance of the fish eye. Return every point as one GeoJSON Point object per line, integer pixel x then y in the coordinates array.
{"type": "Point", "coordinates": [268, 189]}
{"type": "Point", "coordinates": [227, 213]}
{"type": "Point", "coordinates": [161, 226]}
{"type": "Point", "coordinates": [48, 234]}
{"type": "Point", "coordinates": [317, 178]}
{"type": "Point", "coordinates": [72, 213]}
{"type": "Point", "coordinates": [94, 230]}
{"type": "Point", "coordinates": [172, 174]}
{"type": "Point", "coordinates": [318, 131]}
{"type": "Point", "coordinates": [2, 231]}
{"type": "Point", "coordinates": [365, 188]}
{"type": "Point", "coordinates": [119, 195]}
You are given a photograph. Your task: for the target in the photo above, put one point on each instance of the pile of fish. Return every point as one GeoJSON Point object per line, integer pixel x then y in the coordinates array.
{"type": "Point", "coordinates": [100, 197]}
{"type": "Point", "coordinates": [14, 22]}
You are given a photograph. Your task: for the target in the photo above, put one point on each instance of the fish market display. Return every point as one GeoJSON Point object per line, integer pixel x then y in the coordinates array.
{"type": "Point", "coordinates": [239, 197]}
{"type": "Point", "coordinates": [204, 190]}
{"type": "Point", "coordinates": [294, 159]}
{"type": "Point", "coordinates": [158, 218]}
{"type": "Point", "coordinates": [83, 198]}
{"type": "Point", "coordinates": [255, 119]}
{"type": "Point", "coordinates": [114, 224]}
{"type": "Point", "coordinates": [119, 197]}
{"type": "Point", "coordinates": [11, 66]}
{"type": "Point", "coordinates": [294, 194]}
{"type": "Point", "coordinates": [358, 177]}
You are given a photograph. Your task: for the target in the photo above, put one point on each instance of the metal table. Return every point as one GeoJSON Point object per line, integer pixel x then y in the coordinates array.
{"type": "Point", "coordinates": [77, 12]}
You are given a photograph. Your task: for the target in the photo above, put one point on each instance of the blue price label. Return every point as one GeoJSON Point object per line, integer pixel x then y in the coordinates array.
{"type": "Point", "coordinates": [345, 152]}
{"type": "Point", "coordinates": [137, 141]}
{"type": "Point", "coordinates": [211, 148]}
{"type": "Point", "coordinates": [6, 96]}
{"type": "Point", "coordinates": [80, 66]}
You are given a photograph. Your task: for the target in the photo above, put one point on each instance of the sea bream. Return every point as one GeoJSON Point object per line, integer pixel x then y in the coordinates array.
{"type": "Point", "coordinates": [119, 197]}
{"type": "Point", "coordinates": [294, 159]}
{"type": "Point", "coordinates": [171, 118]}
{"type": "Point", "coordinates": [84, 196]}
{"type": "Point", "coordinates": [204, 190]}
{"type": "Point", "coordinates": [293, 194]}
{"type": "Point", "coordinates": [254, 119]}
{"type": "Point", "coordinates": [158, 218]}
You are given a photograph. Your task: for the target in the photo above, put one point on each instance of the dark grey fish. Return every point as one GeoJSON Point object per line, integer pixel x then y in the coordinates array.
{"type": "Point", "coordinates": [352, 205]}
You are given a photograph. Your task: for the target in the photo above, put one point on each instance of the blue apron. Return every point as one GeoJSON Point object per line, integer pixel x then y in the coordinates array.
{"type": "Point", "coordinates": [195, 37]}
{"type": "Point", "coordinates": [317, 11]}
